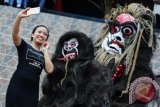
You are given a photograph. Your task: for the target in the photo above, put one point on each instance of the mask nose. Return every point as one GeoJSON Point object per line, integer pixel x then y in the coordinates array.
{"type": "Point", "coordinates": [69, 48]}
{"type": "Point", "coordinates": [118, 38]}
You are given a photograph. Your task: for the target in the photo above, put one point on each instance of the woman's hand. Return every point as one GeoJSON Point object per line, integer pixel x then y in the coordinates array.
{"type": "Point", "coordinates": [23, 13]}
{"type": "Point", "coordinates": [45, 46]}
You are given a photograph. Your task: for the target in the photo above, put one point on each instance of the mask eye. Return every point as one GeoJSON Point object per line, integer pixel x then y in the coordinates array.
{"type": "Point", "coordinates": [73, 44]}
{"type": "Point", "coordinates": [65, 45]}
{"type": "Point", "coordinates": [114, 29]}
{"type": "Point", "coordinates": [127, 30]}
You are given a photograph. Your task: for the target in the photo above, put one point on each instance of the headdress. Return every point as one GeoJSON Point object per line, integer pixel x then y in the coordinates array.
{"type": "Point", "coordinates": [145, 19]}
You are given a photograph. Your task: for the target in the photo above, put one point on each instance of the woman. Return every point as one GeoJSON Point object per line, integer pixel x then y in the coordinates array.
{"type": "Point", "coordinates": [23, 88]}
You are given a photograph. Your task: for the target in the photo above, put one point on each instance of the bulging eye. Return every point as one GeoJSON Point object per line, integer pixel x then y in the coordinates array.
{"type": "Point", "coordinates": [127, 31]}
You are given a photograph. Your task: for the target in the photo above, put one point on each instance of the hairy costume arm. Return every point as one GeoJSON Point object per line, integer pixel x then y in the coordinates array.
{"type": "Point", "coordinates": [98, 90]}
{"type": "Point", "coordinates": [46, 85]}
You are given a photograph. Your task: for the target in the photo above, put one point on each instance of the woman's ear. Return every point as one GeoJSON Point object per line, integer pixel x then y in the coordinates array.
{"type": "Point", "coordinates": [32, 37]}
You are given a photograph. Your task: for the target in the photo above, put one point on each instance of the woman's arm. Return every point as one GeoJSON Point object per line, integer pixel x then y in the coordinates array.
{"type": "Point", "coordinates": [49, 67]}
{"type": "Point", "coordinates": [15, 31]}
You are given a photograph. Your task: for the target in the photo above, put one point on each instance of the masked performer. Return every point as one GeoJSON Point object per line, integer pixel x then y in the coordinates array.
{"type": "Point", "coordinates": [126, 45]}
{"type": "Point", "coordinates": [77, 80]}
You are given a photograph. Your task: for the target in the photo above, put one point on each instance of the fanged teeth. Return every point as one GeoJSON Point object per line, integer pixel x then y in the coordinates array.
{"type": "Point", "coordinates": [70, 55]}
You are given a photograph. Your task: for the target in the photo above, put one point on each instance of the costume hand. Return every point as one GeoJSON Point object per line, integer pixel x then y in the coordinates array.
{"type": "Point", "coordinates": [45, 46]}
{"type": "Point", "coordinates": [23, 13]}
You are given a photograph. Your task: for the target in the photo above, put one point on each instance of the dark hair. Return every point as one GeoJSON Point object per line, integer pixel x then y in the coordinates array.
{"type": "Point", "coordinates": [38, 27]}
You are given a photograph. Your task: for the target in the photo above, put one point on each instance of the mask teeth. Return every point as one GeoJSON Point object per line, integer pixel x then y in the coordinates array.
{"type": "Point", "coordinates": [63, 59]}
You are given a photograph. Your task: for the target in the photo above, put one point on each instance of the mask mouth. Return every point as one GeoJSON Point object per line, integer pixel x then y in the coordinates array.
{"type": "Point", "coordinates": [68, 55]}
{"type": "Point", "coordinates": [115, 47]}
{"type": "Point", "coordinates": [71, 55]}
{"type": "Point", "coordinates": [118, 44]}
{"type": "Point", "coordinates": [113, 50]}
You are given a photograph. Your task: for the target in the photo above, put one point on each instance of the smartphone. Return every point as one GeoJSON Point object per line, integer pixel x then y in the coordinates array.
{"type": "Point", "coordinates": [35, 10]}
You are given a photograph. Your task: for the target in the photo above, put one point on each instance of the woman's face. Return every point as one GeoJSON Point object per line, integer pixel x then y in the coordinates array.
{"type": "Point", "coordinates": [40, 35]}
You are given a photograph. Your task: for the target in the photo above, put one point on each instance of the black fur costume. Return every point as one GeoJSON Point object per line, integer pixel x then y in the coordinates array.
{"type": "Point", "coordinates": [87, 84]}
{"type": "Point", "coordinates": [142, 67]}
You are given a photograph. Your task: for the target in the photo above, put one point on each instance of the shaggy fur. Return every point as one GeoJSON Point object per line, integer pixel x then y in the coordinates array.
{"type": "Point", "coordinates": [142, 69]}
{"type": "Point", "coordinates": [143, 61]}
{"type": "Point", "coordinates": [87, 83]}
